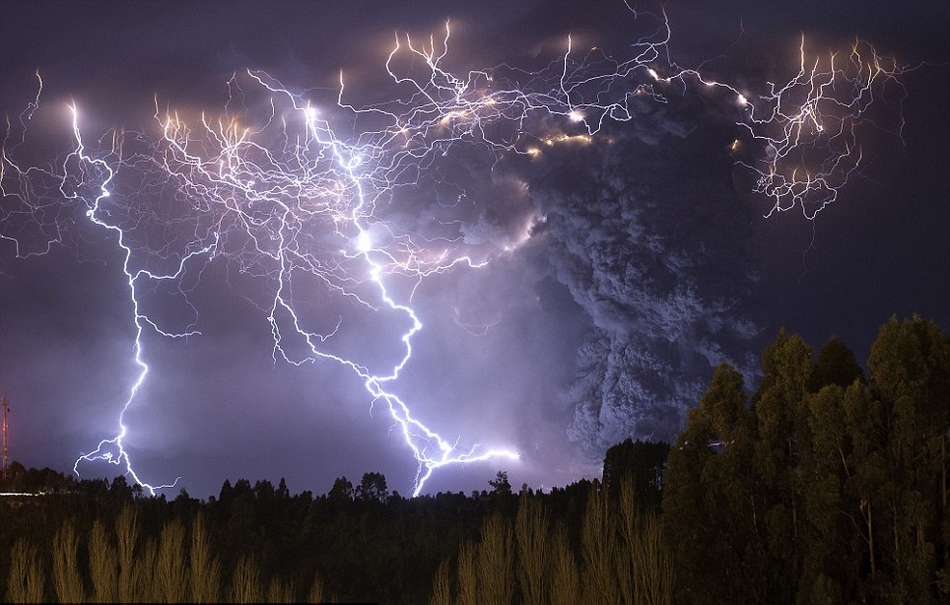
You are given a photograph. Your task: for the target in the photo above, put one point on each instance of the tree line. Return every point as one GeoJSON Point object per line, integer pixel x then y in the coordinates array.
{"type": "Point", "coordinates": [825, 486]}
{"type": "Point", "coordinates": [822, 486]}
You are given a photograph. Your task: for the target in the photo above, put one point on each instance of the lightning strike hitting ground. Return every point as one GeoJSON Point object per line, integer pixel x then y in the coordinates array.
{"type": "Point", "coordinates": [298, 197]}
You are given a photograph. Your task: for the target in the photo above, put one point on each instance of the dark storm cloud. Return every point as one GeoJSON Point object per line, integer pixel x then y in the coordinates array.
{"type": "Point", "coordinates": [651, 239]}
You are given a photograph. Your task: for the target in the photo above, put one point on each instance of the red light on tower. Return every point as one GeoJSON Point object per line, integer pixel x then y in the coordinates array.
{"type": "Point", "coordinates": [6, 410]}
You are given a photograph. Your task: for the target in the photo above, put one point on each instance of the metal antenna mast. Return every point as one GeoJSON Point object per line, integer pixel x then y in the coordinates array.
{"type": "Point", "coordinates": [6, 410]}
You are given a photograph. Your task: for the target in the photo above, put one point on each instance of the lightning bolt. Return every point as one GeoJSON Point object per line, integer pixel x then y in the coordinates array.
{"type": "Point", "coordinates": [811, 126]}
{"type": "Point", "coordinates": [271, 188]}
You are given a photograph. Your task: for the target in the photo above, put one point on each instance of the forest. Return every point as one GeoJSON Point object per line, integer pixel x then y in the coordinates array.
{"type": "Point", "coordinates": [824, 483]}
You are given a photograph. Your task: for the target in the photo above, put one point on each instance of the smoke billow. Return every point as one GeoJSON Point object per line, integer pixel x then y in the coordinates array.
{"type": "Point", "coordinates": [647, 232]}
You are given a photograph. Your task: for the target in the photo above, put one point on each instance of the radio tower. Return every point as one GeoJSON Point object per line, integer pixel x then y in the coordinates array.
{"type": "Point", "coordinates": [6, 410]}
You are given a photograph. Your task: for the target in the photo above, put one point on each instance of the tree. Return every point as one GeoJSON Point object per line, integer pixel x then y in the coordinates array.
{"type": "Point", "coordinates": [103, 565]}
{"type": "Point", "coordinates": [127, 538]}
{"type": "Point", "coordinates": [910, 374]}
{"type": "Point", "coordinates": [494, 561]}
{"type": "Point", "coordinates": [782, 440]}
{"type": "Point", "coordinates": [531, 535]}
{"type": "Point", "coordinates": [500, 484]}
{"type": "Point", "coordinates": [283, 492]}
{"type": "Point", "coordinates": [709, 515]}
{"type": "Point", "coordinates": [836, 365]}
{"type": "Point", "coordinates": [837, 540]}
{"type": "Point", "coordinates": [171, 577]}
{"type": "Point", "coordinates": [67, 579]}
{"type": "Point", "coordinates": [341, 492]}
{"type": "Point", "coordinates": [226, 493]}
{"type": "Point", "coordinates": [641, 463]}
{"type": "Point", "coordinates": [25, 583]}
{"type": "Point", "coordinates": [373, 488]}
{"type": "Point", "coordinates": [120, 489]}
{"type": "Point", "coordinates": [204, 569]}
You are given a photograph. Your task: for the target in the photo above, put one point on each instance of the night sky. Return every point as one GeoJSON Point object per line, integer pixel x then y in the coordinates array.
{"type": "Point", "coordinates": [618, 270]}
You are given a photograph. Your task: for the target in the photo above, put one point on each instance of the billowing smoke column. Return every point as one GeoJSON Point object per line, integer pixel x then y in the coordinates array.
{"type": "Point", "coordinates": [332, 215]}
{"type": "Point", "coordinates": [647, 233]}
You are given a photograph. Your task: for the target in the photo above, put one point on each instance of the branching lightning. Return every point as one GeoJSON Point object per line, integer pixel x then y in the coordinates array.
{"type": "Point", "coordinates": [271, 187]}
{"type": "Point", "coordinates": [811, 126]}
